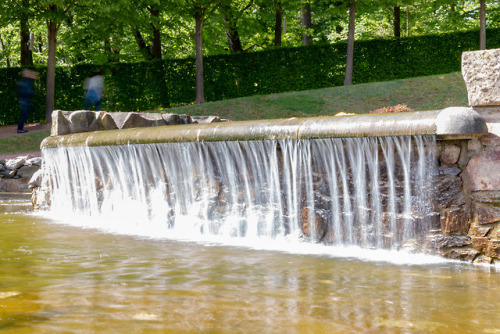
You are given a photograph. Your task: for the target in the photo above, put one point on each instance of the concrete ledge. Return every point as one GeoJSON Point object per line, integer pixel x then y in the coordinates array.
{"type": "Point", "coordinates": [450, 123]}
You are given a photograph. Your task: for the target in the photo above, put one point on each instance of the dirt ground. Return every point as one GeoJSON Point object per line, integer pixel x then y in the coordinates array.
{"type": "Point", "coordinates": [11, 130]}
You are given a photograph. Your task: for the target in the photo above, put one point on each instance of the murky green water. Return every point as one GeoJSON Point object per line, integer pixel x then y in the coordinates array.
{"type": "Point", "coordinates": [56, 278]}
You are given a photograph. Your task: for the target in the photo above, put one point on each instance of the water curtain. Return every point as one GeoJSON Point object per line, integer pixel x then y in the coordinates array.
{"type": "Point", "coordinates": [364, 190]}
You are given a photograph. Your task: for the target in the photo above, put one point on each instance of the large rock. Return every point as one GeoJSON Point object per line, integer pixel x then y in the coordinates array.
{"type": "Point", "coordinates": [481, 72]}
{"type": "Point", "coordinates": [15, 163]}
{"type": "Point", "coordinates": [484, 170]}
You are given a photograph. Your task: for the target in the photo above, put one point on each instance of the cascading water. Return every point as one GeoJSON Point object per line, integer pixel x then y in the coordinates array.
{"type": "Point", "coordinates": [373, 192]}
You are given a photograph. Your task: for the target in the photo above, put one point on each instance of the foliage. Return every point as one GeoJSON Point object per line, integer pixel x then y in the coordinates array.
{"type": "Point", "coordinates": [171, 82]}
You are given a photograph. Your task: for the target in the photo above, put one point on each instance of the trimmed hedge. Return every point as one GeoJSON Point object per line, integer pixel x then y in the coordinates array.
{"type": "Point", "coordinates": [171, 82]}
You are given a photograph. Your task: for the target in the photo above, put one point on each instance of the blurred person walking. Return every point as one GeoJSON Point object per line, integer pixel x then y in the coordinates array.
{"type": "Point", "coordinates": [25, 93]}
{"type": "Point", "coordinates": [94, 87]}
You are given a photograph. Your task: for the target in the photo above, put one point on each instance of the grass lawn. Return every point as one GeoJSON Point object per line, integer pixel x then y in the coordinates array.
{"type": "Point", "coordinates": [27, 142]}
{"type": "Point", "coordinates": [420, 94]}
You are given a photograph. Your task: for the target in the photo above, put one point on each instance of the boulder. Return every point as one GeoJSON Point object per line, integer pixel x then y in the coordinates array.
{"type": "Point", "coordinates": [15, 163]}
{"type": "Point", "coordinates": [27, 171]}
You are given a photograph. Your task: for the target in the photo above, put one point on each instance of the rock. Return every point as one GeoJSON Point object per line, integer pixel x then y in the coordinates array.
{"type": "Point", "coordinates": [448, 191]}
{"type": "Point", "coordinates": [119, 118]}
{"type": "Point", "coordinates": [442, 241]}
{"type": "Point", "coordinates": [483, 170]}
{"type": "Point", "coordinates": [2, 167]}
{"type": "Point", "coordinates": [454, 221]}
{"type": "Point", "coordinates": [486, 214]}
{"type": "Point", "coordinates": [481, 72]}
{"type": "Point", "coordinates": [493, 249]}
{"type": "Point", "coordinates": [15, 163]}
{"type": "Point", "coordinates": [205, 119]}
{"type": "Point", "coordinates": [171, 119]}
{"type": "Point", "coordinates": [135, 120]}
{"type": "Point", "coordinates": [462, 254]}
{"type": "Point", "coordinates": [27, 171]}
{"type": "Point", "coordinates": [450, 154]}
{"type": "Point", "coordinates": [319, 224]}
{"type": "Point", "coordinates": [482, 259]}
{"type": "Point", "coordinates": [107, 122]}
{"type": "Point", "coordinates": [36, 179]}
{"type": "Point", "coordinates": [490, 140]}
{"type": "Point", "coordinates": [60, 123]}
{"type": "Point", "coordinates": [186, 119]}
{"type": "Point", "coordinates": [13, 185]}
{"type": "Point", "coordinates": [84, 121]}
{"type": "Point", "coordinates": [37, 161]}
{"type": "Point", "coordinates": [8, 174]}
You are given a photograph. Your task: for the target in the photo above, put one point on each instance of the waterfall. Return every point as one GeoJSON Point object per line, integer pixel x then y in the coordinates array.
{"type": "Point", "coordinates": [372, 192]}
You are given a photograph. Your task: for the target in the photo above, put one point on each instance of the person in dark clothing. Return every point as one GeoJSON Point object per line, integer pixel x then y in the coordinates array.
{"type": "Point", "coordinates": [25, 93]}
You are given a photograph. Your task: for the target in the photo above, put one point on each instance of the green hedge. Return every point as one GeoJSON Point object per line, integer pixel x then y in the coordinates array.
{"type": "Point", "coordinates": [171, 82]}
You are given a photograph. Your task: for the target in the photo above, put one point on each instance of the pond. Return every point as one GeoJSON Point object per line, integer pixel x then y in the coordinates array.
{"type": "Point", "coordinates": [60, 278]}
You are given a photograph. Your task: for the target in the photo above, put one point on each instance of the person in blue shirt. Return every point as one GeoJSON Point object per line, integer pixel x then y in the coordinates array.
{"type": "Point", "coordinates": [25, 93]}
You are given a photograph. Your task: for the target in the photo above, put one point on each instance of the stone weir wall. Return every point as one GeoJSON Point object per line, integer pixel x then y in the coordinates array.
{"type": "Point", "coordinates": [466, 223]}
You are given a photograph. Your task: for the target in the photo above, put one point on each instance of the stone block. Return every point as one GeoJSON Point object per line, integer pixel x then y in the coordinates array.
{"type": "Point", "coordinates": [107, 122]}
{"type": "Point", "coordinates": [135, 120]}
{"type": "Point", "coordinates": [205, 119]}
{"type": "Point", "coordinates": [480, 243]}
{"type": "Point", "coordinates": [455, 221]}
{"type": "Point", "coordinates": [481, 72]}
{"type": "Point", "coordinates": [462, 254]}
{"type": "Point", "coordinates": [84, 121]}
{"type": "Point", "coordinates": [450, 241]}
{"type": "Point", "coordinates": [60, 123]}
{"type": "Point", "coordinates": [450, 154]}
{"type": "Point", "coordinates": [486, 214]}
{"type": "Point", "coordinates": [448, 191]}
{"type": "Point", "coordinates": [171, 119]}
{"type": "Point", "coordinates": [483, 170]}
{"type": "Point", "coordinates": [479, 231]}
{"type": "Point", "coordinates": [493, 249]}
{"type": "Point", "coordinates": [482, 259]}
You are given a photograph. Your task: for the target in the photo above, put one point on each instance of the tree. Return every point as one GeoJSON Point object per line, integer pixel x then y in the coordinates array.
{"type": "Point", "coordinates": [54, 12]}
{"type": "Point", "coordinates": [482, 25]}
{"type": "Point", "coordinates": [306, 23]}
{"type": "Point", "coordinates": [350, 44]}
{"type": "Point", "coordinates": [199, 10]}
{"type": "Point", "coordinates": [233, 11]}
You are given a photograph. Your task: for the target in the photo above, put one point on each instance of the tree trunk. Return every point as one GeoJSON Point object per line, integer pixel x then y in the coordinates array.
{"type": "Point", "coordinates": [155, 13]}
{"type": "Point", "coordinates": [407, 21]}
{"type": "Point", "coordinates": [306, 24]}
{"type": "Point", "coordinates": [200, 92]}
{"type": "Point", "coordinates": [143, 48]}
{"type": "Point", "coordinates": [51, 69]}
{"type": "Point", "coordinates": [482, 25]}
{"type": "Point", "coordinates": [397, 21]}
{"type": "Point", "coordinates": [7, 59]}
{"type": "Point", "coordinates": [278, 23]}
{"type": "Point", "coordinates": [232, 34]}
{"type": "Point", "coordinates": [350, 44]}
{"type": "Point", "coordinates": [26, 58]}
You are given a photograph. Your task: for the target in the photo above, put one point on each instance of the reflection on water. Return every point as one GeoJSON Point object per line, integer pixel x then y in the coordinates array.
{"type": "Point", "coordinates": [56, 278]}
